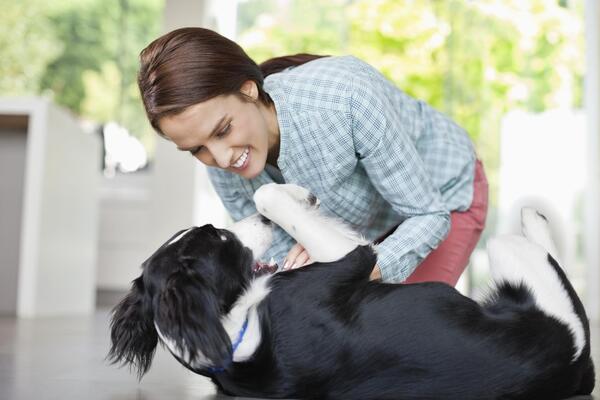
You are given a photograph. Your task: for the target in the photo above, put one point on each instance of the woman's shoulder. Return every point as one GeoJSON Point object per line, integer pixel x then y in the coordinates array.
{"type": "Point", "coordinates": [334, 68]}
{"type": "Point", "coordinates": [324, 83]}
{"type": "Point", "coordinates": [341, 63]}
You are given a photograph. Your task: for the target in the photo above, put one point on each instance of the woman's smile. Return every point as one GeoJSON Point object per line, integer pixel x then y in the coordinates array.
{"type": "Point", "coordinates": [243, 161]}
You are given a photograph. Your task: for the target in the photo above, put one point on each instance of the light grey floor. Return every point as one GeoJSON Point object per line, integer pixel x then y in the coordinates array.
{"type": "Point", "coordinates": [63, 359]}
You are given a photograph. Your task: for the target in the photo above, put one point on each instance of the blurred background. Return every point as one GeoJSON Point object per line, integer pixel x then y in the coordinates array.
{"type": "Point", "coordinates": [88, 190]}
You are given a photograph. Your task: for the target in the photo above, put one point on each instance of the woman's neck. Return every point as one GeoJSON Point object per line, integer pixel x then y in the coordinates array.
{"type": "Point", "coordinates": [273, 133]}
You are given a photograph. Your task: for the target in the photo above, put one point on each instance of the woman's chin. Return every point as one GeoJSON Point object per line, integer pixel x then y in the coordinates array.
{"type": "Point", "coordinates": [251, 175]}
{"type": "Point", "coordinates": [248, 173]}
{"type": "Point", "coordinates": [254, 169]}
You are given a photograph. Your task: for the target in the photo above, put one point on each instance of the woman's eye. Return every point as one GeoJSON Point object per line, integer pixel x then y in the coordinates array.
{"type": "Point", "coordinates": [219, 134]}
{"type": "Point", "coordinates": [224, 131]}
{"type": "Point", "coordinates": [196, 150]}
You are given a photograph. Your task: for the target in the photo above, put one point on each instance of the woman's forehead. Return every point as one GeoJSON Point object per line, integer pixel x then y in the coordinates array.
{"type": "Point", "coordinates": [198, 119]}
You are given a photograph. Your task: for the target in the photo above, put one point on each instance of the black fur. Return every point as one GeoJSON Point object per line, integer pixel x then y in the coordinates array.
{"type": "Point", "coordinates": [330, 333]}
{"type": "Point", "coordinates": [132, 331]}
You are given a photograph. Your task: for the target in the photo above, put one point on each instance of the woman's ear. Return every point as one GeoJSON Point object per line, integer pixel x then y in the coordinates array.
{"type": "Point", "coordinates": [250, 89]}
{"type": "Point", "coordinates": [133, 334]}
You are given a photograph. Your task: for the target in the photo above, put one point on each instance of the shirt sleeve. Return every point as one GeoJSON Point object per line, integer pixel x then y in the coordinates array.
{"type": "Point", "coordinates": [383, 144]}
{"type": "Point", "coordinates": [239, 203]}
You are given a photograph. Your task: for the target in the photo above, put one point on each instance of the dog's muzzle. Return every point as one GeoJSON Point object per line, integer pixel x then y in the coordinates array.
{"type": "Point", "coordinates": [261, 269]}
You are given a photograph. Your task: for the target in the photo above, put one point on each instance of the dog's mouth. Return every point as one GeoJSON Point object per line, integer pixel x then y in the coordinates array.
{"type": "Point", "coordinates": [260, 269]}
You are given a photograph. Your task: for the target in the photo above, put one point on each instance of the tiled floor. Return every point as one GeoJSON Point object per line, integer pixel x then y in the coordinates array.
{"type": "Point", "coordinates": [63, 359]}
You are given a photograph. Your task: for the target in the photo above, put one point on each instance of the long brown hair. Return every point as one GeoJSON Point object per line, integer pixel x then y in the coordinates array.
{"type": "Point", "coordinates": [190, 65]}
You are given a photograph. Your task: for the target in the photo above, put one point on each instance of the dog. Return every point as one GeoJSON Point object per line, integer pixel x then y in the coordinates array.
{"type": "Point", "coordinates": [325, 331]}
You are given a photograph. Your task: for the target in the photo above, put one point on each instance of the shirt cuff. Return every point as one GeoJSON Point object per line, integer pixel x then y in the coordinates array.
{"type": "Point", "coordinates": [391, 270]}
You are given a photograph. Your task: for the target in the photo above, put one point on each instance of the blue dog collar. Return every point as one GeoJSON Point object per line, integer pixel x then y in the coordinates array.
{"type": "Point", "coordinates": [234, 347]}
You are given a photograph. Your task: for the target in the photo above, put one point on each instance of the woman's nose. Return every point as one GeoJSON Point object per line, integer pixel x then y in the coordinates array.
{"type": "Point", "coordinates": [222, 156]}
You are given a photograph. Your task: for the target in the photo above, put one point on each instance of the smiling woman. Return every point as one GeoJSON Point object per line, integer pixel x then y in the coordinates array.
{"type": "Point", "coordinates": [390, 166]}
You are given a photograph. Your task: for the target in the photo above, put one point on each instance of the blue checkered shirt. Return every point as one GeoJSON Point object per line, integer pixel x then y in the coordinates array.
{"type": "Point", "coordinates": [375, 157]}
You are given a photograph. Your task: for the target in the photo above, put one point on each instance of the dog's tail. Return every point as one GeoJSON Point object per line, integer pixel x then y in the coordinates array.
{"type": "Point", "coordinates": [528, 264]}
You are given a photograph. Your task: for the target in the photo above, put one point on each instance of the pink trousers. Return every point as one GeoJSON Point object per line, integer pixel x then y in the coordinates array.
{"type": "Point", "coordinates": [448, 261]}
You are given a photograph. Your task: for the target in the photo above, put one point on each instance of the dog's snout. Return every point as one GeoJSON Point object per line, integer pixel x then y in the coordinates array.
{"type": "Point", "coordinates": [265, 220]}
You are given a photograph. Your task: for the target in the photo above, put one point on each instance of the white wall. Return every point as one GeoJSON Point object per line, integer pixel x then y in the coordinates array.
{"type": "Point", "coordinates": [125, 224]}
{"type": "Point", "coordinates": [541, 166]}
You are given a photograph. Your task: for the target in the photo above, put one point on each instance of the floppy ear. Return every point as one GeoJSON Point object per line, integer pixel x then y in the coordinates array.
{"type": "Point", "coordinates": [133, 334]}
{"type": "Point", "coordinates": [189, 315]}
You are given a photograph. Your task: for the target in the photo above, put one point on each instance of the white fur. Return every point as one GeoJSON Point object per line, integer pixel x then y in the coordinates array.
{"type": "Point", "coordinates": [254, 234]}
{"type": "Point", "coordinates": [536, 229]}
{"type": "Point", "coordinates": [246, 306]}
{"type": "Point", "coordinates": [325, 239]}
{"type": "Point", "coordinates": [517, 259]}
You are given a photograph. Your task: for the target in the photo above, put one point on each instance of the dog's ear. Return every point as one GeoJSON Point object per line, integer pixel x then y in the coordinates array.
{"type": "Point", "coordinates": [133, 334]}
{"type": "Point", "coordinates": [189, 315]}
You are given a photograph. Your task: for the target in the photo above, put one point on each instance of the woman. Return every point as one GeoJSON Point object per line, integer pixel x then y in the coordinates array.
{"type": "Point", "coordinates": [393, 168]}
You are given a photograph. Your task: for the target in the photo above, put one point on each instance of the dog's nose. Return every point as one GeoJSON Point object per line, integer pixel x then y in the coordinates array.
{"type": "Point", "coordinates": [265, 220]}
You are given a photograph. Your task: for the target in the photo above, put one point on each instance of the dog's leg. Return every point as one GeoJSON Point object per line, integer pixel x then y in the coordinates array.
{"type": "Point", "coordinates": [524, 260]}
{"type": "Point", "coordinates": [295, 209]}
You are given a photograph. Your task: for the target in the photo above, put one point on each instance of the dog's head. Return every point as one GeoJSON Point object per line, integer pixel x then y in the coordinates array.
{"type": "Point", "coordinates": [185, 288]}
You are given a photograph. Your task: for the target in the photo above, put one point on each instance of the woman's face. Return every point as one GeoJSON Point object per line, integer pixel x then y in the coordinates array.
{"type": "Point", "coordinates": [226, 132]}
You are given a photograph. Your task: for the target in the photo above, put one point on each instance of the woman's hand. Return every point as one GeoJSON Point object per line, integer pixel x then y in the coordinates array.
{"type": "Point", "coordinates": [296, 258]}
{"type": "Point", "coordinates": [375, 274]}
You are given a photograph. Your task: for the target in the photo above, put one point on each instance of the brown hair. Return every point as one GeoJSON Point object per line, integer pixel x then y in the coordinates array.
{"type": "Point", "coordinates": [191, 65]}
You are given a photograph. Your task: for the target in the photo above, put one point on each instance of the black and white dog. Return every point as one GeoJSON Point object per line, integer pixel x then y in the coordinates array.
{"type": "Point", "coordinates": [326, 332]}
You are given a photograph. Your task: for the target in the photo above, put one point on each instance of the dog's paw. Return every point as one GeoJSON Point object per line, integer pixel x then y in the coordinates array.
{"type": "Point", "coordinates": [273, 196]}
{"type": "Point", "coordinates": [271, 200]}
{"type": "Point", "coordinates": [534, 225]}
{"type": "Point", "coordinates": [302, 195]}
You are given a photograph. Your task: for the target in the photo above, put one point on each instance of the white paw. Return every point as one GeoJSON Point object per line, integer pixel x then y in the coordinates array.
{"type": "Point", "coordinates": [302, 195]}
{"type": "Point", "coordinates": [273, 196]}
{"type": "Point", "coordinates": [534, 224]}
{"type": "Point", "coordinates": [266, 197]}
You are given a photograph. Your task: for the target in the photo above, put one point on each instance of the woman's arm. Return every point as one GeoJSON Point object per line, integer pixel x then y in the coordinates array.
{"type": "Point", "coordinates": [385, 148]}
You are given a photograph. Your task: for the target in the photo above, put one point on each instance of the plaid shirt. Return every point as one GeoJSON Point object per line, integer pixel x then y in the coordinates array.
{"type": "Point", "coordinates": [375, 157]}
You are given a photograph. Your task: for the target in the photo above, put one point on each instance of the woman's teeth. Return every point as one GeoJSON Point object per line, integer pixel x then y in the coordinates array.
{"type": "Point", "coordinates": [242, 159]}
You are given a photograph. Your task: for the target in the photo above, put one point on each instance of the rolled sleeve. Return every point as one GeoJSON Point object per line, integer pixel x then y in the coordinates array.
{"type": "Point", "coordinates": [403, 251]}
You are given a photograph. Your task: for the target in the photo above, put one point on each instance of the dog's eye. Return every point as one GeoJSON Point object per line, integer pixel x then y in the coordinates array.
{"type": "Point", "coordinates": [223, 237]}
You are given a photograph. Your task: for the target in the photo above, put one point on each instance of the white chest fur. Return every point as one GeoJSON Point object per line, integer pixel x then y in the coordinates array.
{"type": "Point", "coordinates": [246, 306]}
